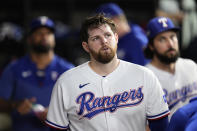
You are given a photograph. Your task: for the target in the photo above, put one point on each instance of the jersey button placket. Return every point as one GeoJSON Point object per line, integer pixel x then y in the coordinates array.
{"type": "Point", "coordinates": [105, 93]}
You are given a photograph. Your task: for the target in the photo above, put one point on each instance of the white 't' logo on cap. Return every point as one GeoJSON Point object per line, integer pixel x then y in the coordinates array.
{"type": "Point", "coordinates": [43, 20]}
{"type": "Point", "coordinates": [163, 21]}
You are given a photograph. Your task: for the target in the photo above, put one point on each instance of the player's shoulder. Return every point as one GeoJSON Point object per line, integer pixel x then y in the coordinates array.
{"type": "Point", "coordinates": [17, 63]}
{"type": "Point", "coordinates": [186, 64]}
{"type": "Point", "coordinates": [73, 72]}
{"type": "Point", "coordinates": [135, 67]}
{"type": "Point", "coordinates": [152, 68]}
{"type": "Point", "coordinates": [185, 61]}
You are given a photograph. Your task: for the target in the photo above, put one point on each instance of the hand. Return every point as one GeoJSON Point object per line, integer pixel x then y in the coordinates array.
{"type": "Point", "coordinates": [42, 115]}
{"type": "Point", "coordinates": [25, 106]}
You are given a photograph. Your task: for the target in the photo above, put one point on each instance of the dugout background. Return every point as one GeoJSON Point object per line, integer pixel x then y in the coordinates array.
{"type": "Point", "coordinates": [68, 14]}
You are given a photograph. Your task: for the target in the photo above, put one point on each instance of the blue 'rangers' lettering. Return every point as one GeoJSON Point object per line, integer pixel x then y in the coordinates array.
{"type": "Point", "coordinates": [173, 98]}
{"type": "Point", "coordinates": [91, 105]}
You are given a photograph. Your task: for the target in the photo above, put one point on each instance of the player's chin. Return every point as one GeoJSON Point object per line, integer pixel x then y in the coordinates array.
{"type": "Point", "coordinates": [171, 55]}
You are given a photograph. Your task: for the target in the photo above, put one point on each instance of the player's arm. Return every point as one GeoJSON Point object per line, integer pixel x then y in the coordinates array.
{"type": "Point", "coordinates": [7, 89]}
{"type": "Point", "coordinates": [157, 107]}
{"type": "Point", "coordinates": [23, 106]}
{"type": "Point", "coordinates": [57, 115]}
{"type": "Point", "coordinates": [160, 124]}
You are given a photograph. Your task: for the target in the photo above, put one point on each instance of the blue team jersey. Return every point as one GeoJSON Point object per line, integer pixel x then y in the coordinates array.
{"type": "Point", "coordinates": [130, 46]}
{"type": "Point", "coordinates": [21, 79]}
{"type": "Point", "coordinates": [192, 123]}
{"type": "Point", "coordinates": [185, 118]}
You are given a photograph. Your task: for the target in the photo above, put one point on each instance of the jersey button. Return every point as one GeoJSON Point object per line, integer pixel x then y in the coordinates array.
{"type": "Point", "coordinates": [105, 80]}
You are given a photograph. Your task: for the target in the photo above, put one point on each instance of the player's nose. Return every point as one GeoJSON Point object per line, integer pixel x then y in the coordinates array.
{"type": "Point", "coordinates": [170, 43]}
{"type": "Point", "coordinates": [103, 40]}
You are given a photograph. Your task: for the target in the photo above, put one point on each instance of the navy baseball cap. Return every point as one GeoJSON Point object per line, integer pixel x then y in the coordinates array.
{"type": "Point", "coordinates": [42, 21]}
{"type": "Point", "coordinates": [109, 10]}
{"type": "Point", "coordinates": [158, 25]}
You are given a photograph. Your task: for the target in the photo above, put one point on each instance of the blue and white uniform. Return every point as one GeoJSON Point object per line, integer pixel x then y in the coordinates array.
{"type": "Point", "coordinates": [21, 79]}
{"type": "Point", "coordinates": [82, 100]}
{"type": "Point", "coordinates": [179, 87]}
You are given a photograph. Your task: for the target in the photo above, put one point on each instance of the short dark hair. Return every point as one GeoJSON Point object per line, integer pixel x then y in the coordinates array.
{"type": "Point", "coordinates": [94, 22]}
{"type": "Point", "coordinates": [148, 53]}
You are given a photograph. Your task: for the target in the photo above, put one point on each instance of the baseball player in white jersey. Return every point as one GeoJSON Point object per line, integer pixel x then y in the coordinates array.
{"type": "Point", "coordinates": [105, 93]}
{"type": "Point", "coordinates": [177, 76]}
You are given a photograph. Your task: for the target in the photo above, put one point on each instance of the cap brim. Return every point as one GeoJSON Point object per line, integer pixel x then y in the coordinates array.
{"type": "Point", "coordinates": [175, 29]}
{"type": "Point", "coordinates": [35, 28]}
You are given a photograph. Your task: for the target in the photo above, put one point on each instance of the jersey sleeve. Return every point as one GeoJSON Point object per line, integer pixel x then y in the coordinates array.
{"type": "Point", "coordinates": [7, 81]}
{"type": "Point", "coordinates": [156, 106]}
{"type": "Point", "coordinates": [57, 115]}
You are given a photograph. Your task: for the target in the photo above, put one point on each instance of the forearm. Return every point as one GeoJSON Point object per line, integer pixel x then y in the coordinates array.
{"type": "Point", "coordinates": [23, 106]}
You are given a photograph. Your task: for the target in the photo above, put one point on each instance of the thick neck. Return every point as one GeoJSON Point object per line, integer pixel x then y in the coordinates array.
{"type": "Point", "coordinates": [42, 60]}
{"type": "Point", "coordinates": [104, 69]}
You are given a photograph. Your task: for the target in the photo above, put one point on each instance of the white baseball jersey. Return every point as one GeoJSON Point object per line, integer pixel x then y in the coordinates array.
{"type": "Point", "coordinates": [123, 100]}
{"type": "Point", "coordinates": [180, 86]}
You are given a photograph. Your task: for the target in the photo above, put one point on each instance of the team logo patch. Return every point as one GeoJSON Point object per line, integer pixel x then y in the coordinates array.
{"type": "Point", "coordinates": [54, 75]}
{"type": "Point", "coordinates": [83, 85]}
{"type": "Point", "coordinates": [163, 21]}
{"type": "Point", "coordinates": [26, 73]}
{"type": "Point", "coordinates": [90, 105]}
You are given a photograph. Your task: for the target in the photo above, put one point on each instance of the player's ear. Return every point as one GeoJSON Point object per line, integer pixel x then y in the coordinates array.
{"type": "Point", "coordinates": [151, 47]}
{"type": "Point", "coordinates": [85, 46]}
{"type": "Point", "coordinates": [116, 37]}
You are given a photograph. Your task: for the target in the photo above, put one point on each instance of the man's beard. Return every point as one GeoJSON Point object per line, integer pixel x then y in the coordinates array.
{"type": "Point", "coordinates": [167, 59]}
{"type": "Point", "coordinates": [40, 48]}
{"type": "Point", "coordinates": [105, 57]}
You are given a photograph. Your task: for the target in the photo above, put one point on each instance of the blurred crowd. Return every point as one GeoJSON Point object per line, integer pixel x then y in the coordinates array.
{"type": "Point", "coordinates": [182, 12]}
{"type": "Point", "coordinates": [13, 43]}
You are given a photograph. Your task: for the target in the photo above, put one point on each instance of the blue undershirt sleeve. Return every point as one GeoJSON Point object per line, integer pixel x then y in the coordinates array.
{"type": "Point", "coordinates": [178, 121]}
{"type": "Point", "coordinates": [160, 124]}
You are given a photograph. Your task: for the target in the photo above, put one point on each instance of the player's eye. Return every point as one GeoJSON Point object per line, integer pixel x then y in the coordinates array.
{"type": "Point", "coordinates": [162, 39]}
{"type": "Point", "coordinates": [95, 38]}
{"type": "Point", "coordinates": [173, 37]}
{"type": "Point", "coordinates": [107, 35]}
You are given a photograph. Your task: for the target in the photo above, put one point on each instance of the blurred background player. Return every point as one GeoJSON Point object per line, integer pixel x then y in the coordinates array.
{"type": "Point", "coordinates": [132, 38]}
{"type": "Point", "coordinates": [183, 14]}
{"type": "Point", "coordinates": [177, 76]}
{"type": "Point", "coordinates": [185, 118]}
{"type": "Point", "coordinates": [29, 81]}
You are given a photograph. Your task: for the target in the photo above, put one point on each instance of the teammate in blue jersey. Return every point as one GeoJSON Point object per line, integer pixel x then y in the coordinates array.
{"type": "Point", "coordinates": [185, 118]}
{"type": "Point", "coordinates": [26, 84]}
{"type": "Point", "coordinates": [132, 38]}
